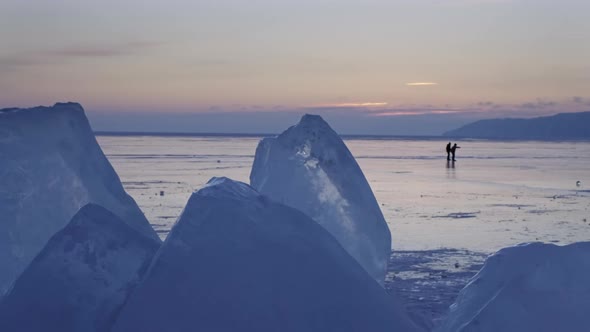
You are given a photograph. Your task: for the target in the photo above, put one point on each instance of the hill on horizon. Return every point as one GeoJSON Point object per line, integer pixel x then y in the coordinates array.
{"type": "Point", "coordinates": [569, 126]}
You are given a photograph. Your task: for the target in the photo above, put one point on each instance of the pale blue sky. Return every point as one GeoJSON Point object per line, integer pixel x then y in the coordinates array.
{"type": "Point", "coordinates": [348, 59]}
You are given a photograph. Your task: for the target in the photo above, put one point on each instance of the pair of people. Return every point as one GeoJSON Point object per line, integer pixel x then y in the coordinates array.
{"type": "Point", "coordinates": [451, 150]}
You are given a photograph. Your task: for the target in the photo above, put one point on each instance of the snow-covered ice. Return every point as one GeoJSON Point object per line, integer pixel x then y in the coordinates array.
{"type": "Point", "coordinates": [51, 167]}
{"type": "Point", "coordinates": [309, 167]}
{"type": "Point", "coordinates": [80, 279]}
{"type": "Point", "coordinates": [238, 261]}
{"type": "Point", "coordinates": [532, 287]}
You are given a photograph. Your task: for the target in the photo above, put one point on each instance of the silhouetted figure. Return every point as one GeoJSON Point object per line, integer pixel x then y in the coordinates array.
{"type": "Point", "coordinates": [453, 149]}
{"type": "Point", "coordinates": [449, 151]}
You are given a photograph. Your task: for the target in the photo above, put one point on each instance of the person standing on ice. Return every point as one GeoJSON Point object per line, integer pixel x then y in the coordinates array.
{"type": "Point", "coordinates": [453, 149]}
{"type": "Point", "coordinates": [449, 151]}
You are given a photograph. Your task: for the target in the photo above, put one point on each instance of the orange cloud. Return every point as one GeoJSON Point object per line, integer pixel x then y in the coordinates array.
{"type": "Point", "coordinates": [409, 112]}
{"type": "Point", "coordinates": [421, 84]}
{"type": "Point", "coordinates": [346, 105]}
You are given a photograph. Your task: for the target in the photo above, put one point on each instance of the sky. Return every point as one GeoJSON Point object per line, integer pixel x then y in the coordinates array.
{"type": "Point", "coordinates": [399, 67]}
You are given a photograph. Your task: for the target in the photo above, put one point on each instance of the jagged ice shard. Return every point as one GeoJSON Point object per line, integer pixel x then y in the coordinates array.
{"type": "Point", "coordinates": [51, 166]}
{"type": "Point", "coordinates": [81, 278]}
{"type": "Point", "coordinates": [533, 287]}
{"type": "Point", "coordinates": [238, 261]}
{"type": "Point", "coordinates": [309, 167]}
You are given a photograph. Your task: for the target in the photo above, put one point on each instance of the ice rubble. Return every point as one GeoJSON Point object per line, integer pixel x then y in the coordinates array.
{"type": "Point", "coordinates": [237, 261]}
{"type": "Point", "coordinates": [531, 287]}
{"type": "Point", "coordinates": [51, 167]}
{"type": "Point", "coordinates": [81, 277]}
{"type": "Point", "coordinates": [309, 167]}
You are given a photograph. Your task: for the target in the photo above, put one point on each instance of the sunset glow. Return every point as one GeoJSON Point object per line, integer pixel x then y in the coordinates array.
{"type": "Point", "coordinates": [365, 104]}
{"type": "Point", "coordinates": [221, 57]}
{"type": "Point", "coordinates": [406, 113]}
{"type": "Point", "coordinates": [421, 84]}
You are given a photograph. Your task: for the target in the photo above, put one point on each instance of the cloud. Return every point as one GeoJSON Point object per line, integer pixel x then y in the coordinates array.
{"type": "Point", "coordinates": [481, 109]}
{"type": "Point", "coordinates": [577, 99]}
{"type": "Point", "coordinates": [534, 108]}
{"type": "Point", "coordinates": [381, 109]}
{"type": "Point", "coordinates": [415, 112]}
{"type": "Point", "coordinates": [487, 109]}
{"type": "Point", "coordinates": [12, 61]}
{"type": "Point", "coordinates": [421, 84]}
{"type": "Point", "coordinates": [581, 101]}
{"type": "Point", "coordinates": [402, 119]}
{"type": "Point", "coordinates": [538, 104]}
{"type": "Point", "coordinates": [353, 105]}
{"type": "Point", "coordinates": [486, 104]}
{"type": "Point", "coordinates": [64, 54]}
{"type": "Point", "coordinates": [104, 50]}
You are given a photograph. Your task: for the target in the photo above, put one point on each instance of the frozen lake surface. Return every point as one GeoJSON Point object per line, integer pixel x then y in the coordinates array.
{"type": "Point", "coordinates": [497, 194]}
{"type": "Point", "coordinates": [444, 217]}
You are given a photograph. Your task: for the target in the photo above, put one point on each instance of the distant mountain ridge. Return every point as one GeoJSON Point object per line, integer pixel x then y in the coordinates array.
{"type": "Point", "coordinates": [560, 126]}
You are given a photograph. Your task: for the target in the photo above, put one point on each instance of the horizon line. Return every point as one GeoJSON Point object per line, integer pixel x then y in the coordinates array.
{"type": "Point", "coordinates": [344, 136]}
